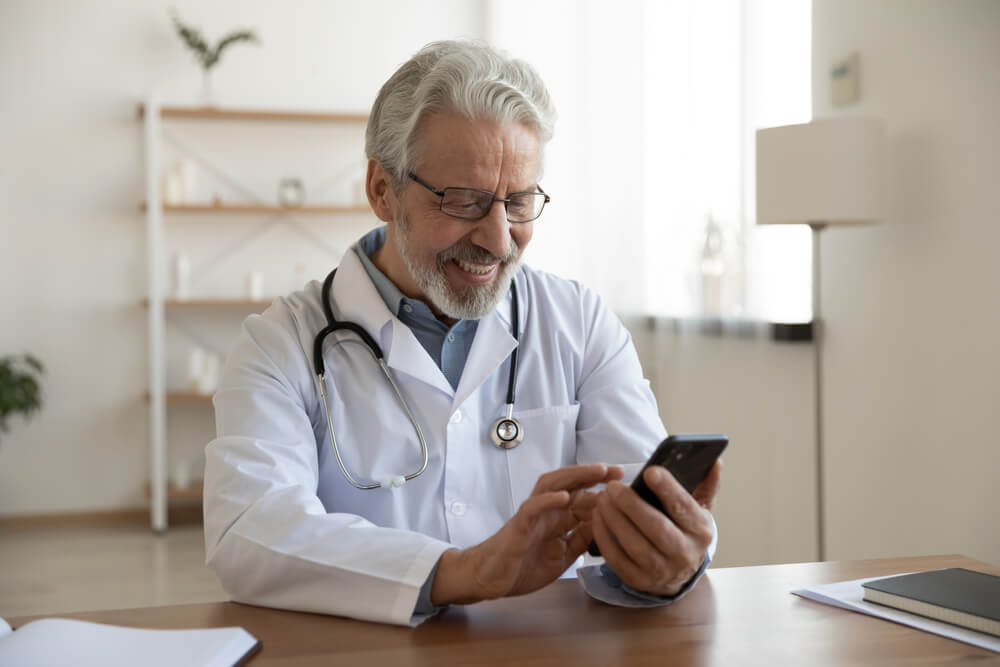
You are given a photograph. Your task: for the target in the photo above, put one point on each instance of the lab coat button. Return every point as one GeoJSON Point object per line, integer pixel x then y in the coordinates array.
{"type": "Point", "coordinates": [458, 508]}
{"type": "Point", "coordinates": [457, 417]}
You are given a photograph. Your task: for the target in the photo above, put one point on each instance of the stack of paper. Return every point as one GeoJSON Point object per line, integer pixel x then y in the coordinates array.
{"type": "Point", "coordinates": [55, 642]}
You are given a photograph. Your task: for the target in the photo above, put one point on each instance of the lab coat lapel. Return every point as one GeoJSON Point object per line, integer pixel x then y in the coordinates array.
{"type": "Point", "coordinates": [408, 356]}
{"type": "Point", "coordinates": [490, 348]}
{"type": "Point", "coordinates": [356, 299]}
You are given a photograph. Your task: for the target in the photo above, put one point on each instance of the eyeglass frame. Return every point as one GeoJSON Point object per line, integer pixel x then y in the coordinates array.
{"type": "Point", "coordinates": [486, 211]}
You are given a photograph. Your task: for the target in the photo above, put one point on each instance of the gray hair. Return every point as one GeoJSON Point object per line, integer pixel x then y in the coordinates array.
{"type": "Point", "coordinates": [470, 79]}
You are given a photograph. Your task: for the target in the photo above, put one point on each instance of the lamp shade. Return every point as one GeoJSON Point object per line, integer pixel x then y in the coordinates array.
{"type": "Point", "coordinates": [828, 171]}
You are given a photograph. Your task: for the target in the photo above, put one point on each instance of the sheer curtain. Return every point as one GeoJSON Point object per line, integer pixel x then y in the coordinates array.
{"type": "Point", "coordinates": [651, 167]}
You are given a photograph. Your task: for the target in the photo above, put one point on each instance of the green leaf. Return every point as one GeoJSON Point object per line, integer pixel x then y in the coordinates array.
{"type": "Point", "coordinates": [20, 387]}
{"type": "Point", "coordinates": [34, 363]}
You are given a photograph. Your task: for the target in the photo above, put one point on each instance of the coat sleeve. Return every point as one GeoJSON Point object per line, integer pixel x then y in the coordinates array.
{"type": "Point", "coordinates": [268, 536]}
{"type": "Point", "coordinates": [618, 421]}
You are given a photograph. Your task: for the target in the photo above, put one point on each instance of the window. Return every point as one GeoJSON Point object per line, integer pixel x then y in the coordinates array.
{"type": "Point", "coordinates": [652, 166]}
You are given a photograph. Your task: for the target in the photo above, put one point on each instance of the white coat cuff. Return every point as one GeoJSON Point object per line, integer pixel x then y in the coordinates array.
{"type": "Point", "coordinates": [416, 576]}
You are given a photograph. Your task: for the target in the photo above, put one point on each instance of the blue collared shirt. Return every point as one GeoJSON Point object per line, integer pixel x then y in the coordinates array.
{"type": "Point", "coordinates": [448, 346]}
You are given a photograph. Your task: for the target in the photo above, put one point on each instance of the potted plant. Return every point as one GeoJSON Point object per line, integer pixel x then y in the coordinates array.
{"type": "Point", "coordinates": [20, 387]}
{"type": "Point", "coordinates": [207, 55]}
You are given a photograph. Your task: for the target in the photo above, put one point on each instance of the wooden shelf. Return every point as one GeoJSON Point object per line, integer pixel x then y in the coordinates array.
{"type": "Point", "coordinates": [216, 113]}
{"type": "Point", "coordinates": [322, 209]}
{"type": "Point", "coordinates": [259, 304]}
{"type": "Point", "coordinates": [183, 397]}
{"type": "Point", "coordinates": [191, 493]}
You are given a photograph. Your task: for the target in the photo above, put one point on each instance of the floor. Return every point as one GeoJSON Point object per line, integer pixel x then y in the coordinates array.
{"type": "Point", "coordinates": [53, 569]}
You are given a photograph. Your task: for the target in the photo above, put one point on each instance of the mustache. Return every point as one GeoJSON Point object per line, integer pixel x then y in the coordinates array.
{"type": "Point", "coordinates": [477, 255]}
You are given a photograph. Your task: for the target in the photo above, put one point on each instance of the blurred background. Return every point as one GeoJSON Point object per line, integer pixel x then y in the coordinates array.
{"type": "Point", "coordinates": [652, 177]}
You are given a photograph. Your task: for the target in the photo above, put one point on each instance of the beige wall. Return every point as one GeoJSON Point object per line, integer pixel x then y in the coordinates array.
{"type": "Point", "coordinates": [760, 394]}
{"type": "Point", "coordinates": [912, 310]}
{"type": "Point", "coordinates": [913, 305]}
{"type": "Point", "coordinates": [72, 255]}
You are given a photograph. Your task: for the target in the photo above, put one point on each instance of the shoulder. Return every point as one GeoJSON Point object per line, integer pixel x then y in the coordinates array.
{"type": "Point", "coordinates": [282, 333]}
{"type": "Point", "coordinates": [302, 309]}
{"type": "Point", "coordinates": [550, 291]}
{"type": "Point", "coordinates": [293, 313]}
{"type": "Point", "coordinates": [567, 301]}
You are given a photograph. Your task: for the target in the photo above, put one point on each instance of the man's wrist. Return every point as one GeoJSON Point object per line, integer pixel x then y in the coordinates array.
{"type": "Point", "coordinates": [665, 597]}
{"type": "Point", "coordinates": [455, 581]}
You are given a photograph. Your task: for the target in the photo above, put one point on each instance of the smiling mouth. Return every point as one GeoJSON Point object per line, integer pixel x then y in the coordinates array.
{"type": "Point", "coordinates": [470, 274]}
{"type": "Point", "coordinates": [477, 269]}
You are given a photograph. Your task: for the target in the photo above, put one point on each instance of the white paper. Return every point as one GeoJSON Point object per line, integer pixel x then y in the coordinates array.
{"type": "Point", "coordinates": [849, 595]}
{"type": "Point", "coordinates": [4, 628]}
{"type": "Point", "coordinates": [56, 642]}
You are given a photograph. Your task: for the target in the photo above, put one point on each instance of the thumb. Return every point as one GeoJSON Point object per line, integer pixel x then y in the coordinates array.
{"type": "Point", "coordinates": [533, 513]}
{"type": "Point", "coordinates": [706, 491]}
{"type": "Point", "coordinates": [578, 541]}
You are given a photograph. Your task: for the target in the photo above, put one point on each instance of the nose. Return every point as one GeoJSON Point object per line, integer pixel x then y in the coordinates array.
{"type": "Point", "coordinates": [493, 231]}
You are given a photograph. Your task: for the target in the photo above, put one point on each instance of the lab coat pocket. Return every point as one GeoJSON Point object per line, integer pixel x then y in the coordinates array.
{"type": "Point", "coordinates": [549, 444]}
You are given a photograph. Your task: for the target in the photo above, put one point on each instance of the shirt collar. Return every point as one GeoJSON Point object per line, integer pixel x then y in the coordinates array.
{"type": "Point", "coordinates": [364, 248]}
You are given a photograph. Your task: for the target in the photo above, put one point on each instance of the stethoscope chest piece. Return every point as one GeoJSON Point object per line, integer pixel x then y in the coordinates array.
{"type": "Point", "coordinates": [507, 432]}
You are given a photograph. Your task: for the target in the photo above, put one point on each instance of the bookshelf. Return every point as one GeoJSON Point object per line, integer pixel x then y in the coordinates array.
{"type": "Point", "coordinates": [157, 303]}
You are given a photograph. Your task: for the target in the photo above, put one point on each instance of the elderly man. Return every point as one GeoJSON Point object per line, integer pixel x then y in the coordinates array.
{"type": "Point", "coordinates": [461, 472]}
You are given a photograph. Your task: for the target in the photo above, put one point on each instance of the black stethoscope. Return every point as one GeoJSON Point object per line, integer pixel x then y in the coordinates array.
{"type": "Point", "coordinates": [506, 433]}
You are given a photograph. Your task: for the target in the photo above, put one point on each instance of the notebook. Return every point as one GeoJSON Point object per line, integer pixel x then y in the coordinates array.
{"type": "Point", "coordinates": [954, 595]}
{"type": "Point", "coordinates": [55, 642]}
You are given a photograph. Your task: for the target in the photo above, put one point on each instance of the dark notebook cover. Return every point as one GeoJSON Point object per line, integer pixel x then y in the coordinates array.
{"type": "Point", "coordinates": [955, 588]}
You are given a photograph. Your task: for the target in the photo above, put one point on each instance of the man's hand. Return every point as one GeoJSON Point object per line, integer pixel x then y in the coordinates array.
{"type": "Point", "coordinates": [531, 550]}
{"type": "Point", "coordinates": [647, 550]}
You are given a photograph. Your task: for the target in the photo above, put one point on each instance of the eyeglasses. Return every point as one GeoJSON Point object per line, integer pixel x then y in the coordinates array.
{"type": "Point", "coordinates": [473, 204]}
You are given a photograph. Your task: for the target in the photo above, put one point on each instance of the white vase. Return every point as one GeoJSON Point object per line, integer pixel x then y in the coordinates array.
{"type": "Point", "coordinates": [180, 474]}
{"type": "Point", "coordinates": [182, 277]}
{"type": "Point", "coordinates": [196, 367]}
{"type": "Point", "coordinates": [207, 93]}
{"type": "Point", "coordinates": [255, 285]}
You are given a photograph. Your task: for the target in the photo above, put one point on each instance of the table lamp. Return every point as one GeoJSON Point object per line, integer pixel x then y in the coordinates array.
{"type": "Point", "coordinates": [824, 173]}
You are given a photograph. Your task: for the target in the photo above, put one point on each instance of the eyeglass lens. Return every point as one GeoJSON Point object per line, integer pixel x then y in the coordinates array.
{"type": "Point", "coordinates": [474, 204]}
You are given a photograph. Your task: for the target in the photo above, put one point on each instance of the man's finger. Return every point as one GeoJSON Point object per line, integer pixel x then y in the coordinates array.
{"type": "Point", "coordinates": [706, 491]}
{"type": "Point", "coordinates": [579, 540]}
{"type": "Point", "coordinates": [683, 509]}
{"type": "Point", "coordinates": [535, 506]}
{"type": "Point", "coordinates": [576, 477]}
{"type": "Point", "coordinates": [582, 504]}
{"type": "Point", "coordinates": [659, 532]}
{"type": "Point", "coordinates": [614, 556]}
{"type": "Point", "coordinates": [631, 537]}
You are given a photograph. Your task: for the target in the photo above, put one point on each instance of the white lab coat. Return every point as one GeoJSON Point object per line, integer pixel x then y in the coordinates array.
{"type": "Point", "coordinates": [284, 528]}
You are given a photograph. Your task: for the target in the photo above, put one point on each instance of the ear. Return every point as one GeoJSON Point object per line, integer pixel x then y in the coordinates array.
{"type": "Point", "coordinates": [378, 188]}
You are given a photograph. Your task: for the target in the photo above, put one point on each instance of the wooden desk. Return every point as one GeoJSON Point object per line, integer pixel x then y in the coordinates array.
{"type": "Point", "coordinates": [735, 616]}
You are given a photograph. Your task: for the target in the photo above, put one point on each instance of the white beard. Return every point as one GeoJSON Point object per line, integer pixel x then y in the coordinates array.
{"type": "Point", "coordinates": [472, 302]}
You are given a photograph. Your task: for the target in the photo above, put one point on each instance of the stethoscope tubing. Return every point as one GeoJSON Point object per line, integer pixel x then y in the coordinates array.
{"type": "Point", "coordinates": [500, 427]}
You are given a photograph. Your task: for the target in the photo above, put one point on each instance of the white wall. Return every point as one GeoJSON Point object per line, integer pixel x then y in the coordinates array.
{"type": "Point", "coordinates": [72, 256]}
{"type": "Point", "coordinates": [913, 305]}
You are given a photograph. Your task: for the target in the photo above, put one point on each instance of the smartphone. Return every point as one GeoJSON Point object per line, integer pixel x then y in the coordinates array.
{"type": "Point", "coordinates": [687, 457]}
